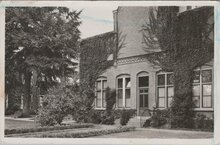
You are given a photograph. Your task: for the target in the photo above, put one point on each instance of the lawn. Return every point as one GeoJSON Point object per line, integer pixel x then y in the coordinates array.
{"type": "Point", "coordinates": [160, 133]}
{"type": "Point", "coordinates": [14, 124]}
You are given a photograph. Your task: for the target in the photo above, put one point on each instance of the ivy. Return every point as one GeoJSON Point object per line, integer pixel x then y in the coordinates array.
{"type": "Point", "coordinates": [185, 41]}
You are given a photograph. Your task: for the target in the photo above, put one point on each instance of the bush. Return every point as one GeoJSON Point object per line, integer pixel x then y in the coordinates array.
{"type": "Point", "coordinates": [160, 117]}
{"type": "Point", "coordinates": [126, 115]}
{"type": "Point", "coordinates": [203, 123]}
{"type": "Point", "coordinates": [110, 99]}
{"type": "Point", "coordinates": [57, 106]}
{"type": "Point", "coordinates": [88, 133]}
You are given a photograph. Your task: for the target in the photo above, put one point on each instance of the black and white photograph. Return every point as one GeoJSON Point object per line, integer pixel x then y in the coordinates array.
{"type": "Point", "coordinates": [111, 70]}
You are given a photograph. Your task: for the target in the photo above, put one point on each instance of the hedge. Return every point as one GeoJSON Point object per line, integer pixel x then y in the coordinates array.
{"type": "Point", "coordinates": [41, 129]}
{"type": "Point", "coordinates": [84, 134]}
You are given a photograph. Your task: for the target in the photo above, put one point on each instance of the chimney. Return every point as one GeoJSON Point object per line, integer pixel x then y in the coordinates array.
{"type": "Point", "coordinates": [115, 18]}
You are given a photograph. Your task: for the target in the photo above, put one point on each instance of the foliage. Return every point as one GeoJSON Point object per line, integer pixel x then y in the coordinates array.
{"type": "Point", "coordinates": [126, 115]}
{"type": "Point", "coordinates": [110, 99]}
{"type": "Point", "coordinates": [203, 123]}
{"type": "Point", "coordinates": [60, 103]}
{"type": "Point", "coordinates": [87, 133]}
{"type": "Point", "coordinates": [95, 58]}
{"type": "Point", "coordinates": [160, 117]}
{"type": "Point", "coordinates": [42, 129]}
{"type": "Point", "coordinates": [184, 41]}
{"type": "Point", "coordinates": [40, 40]}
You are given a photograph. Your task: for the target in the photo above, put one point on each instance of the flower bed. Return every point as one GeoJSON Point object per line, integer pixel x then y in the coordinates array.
{"type": "Point", "coordinates": [41, 129]}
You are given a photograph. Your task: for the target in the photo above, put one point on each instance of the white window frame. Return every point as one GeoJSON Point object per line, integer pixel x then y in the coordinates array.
{"type": "Point", "coordinates": [165, 86]}
{"type": "Point", "coordinates": [123, 77]}
{"type": "Point", "coordinates": [200, 84]}
{"type": "Point", "coordinates": [101, 90]}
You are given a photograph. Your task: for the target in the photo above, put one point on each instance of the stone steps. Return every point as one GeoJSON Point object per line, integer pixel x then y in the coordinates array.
{"type": "Point", "coordinates": [137, 121]}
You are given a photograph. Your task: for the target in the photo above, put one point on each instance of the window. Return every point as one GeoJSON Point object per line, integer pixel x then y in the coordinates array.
{"type": "Point", "coordinates": [124, 91]}
{"type": "Point", "coordinates": [164, 89]}
{"type": "Point", "coordinates": [101, 85]}
{"type": "Point", "coordinates": [143, 89]}
{"type": "Point", "coordinates": [202, 88]}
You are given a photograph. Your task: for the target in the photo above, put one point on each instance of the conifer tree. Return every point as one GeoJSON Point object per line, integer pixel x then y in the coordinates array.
{"type": "Point", "coordinates": [40, 40]}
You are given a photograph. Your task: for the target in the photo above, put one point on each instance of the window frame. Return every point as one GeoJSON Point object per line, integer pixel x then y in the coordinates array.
{"type": "Point", "coordinates": [102, 90]}
{"type": "Point", "coordinates": [165, 86]}
{"type": "Point", "coordinates": [200, 84]}
{"type": "Point", "coordinates": [124, 88]}
{"type": "Point", "coordinates": [143, 74]}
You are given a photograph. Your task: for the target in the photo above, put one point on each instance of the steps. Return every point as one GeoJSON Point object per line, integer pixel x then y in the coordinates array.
{"type": "Point", "coordinates": [137, 121]}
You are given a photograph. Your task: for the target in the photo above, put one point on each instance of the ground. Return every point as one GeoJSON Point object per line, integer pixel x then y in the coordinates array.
{"type": "Point", "coordinates": [159, 133]}
{"type": "Point", "coordinates": [12, 124]}
{"type": "Point", "coordinates": [138, 133]}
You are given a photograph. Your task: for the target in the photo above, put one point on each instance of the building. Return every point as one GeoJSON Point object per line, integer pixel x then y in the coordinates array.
{"type": "Point", "coordinates": [139, 84]}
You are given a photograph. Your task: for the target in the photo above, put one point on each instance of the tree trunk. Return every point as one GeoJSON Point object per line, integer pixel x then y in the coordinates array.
{"type": "Point", "coordinates": [181, 108]}
{"type": "Point", "coordinates": [26, 106]}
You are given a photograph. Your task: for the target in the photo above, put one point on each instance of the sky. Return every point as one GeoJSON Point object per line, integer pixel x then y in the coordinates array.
{"type": "Point", "coordinates": [96, 19]}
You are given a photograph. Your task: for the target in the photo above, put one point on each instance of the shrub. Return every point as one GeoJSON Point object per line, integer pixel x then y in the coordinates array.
{"type": "Point", "coordinates": [110, 99]}
{"type": "Point", "coordinates": [56, 106]}
{"type": "Point", "coordinates": [87, 134]}
{"type": "Point", "coordinates": [126, 115]}
{"type": "Point", "coordinates": [160, 117]}
{"type": "Point", "coordinates": [203, 123]}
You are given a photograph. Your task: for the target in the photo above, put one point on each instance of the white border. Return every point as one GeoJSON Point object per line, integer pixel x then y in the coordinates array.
{"type": "Point", "coordinates": [216, 139]}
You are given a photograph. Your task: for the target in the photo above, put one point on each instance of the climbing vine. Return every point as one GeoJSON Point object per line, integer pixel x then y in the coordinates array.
{"type": "Point", "coordinates": [186, 42]}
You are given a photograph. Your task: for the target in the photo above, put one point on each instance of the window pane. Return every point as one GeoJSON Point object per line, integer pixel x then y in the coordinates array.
{"type": "Point", "coordinates": [196, 101]}
{"type": "Point", "coordinates": [196, 78]}
{"type": "Point", "coordinates": [127, 102]}
{"type": "Point", "coordinates": [120, 83]}
{"type": "Point", "coordinates": [143, 81]}
{"type": "Point", "coordinates": [161, 92]}
{"type": "Point", "coordinates": [196, 90]}
{"type": "Point", "coordinates": [169, 101]}
{"type": "Point", "coordinates": [170, 92]}
{"type": "Point", "coordinates": [146, 90]}
{"type": "Point", "coordinates": [98, 85]}
{"type": "Point", "coordinates": [161, 79]}
{"type": "Point", "coordinates": [120, 93]}
{"type": "Point", "coordinates": [127, 83]}
{"type": "Point", "coordinates": [98, 100]}
{"type": "Point", "coordinates": [120, 102]}
{"type": "Point", "coordinates": [161, 102]}
{"type": "Point", "coordinates": [207, 89]}
{"type": "Point", "coordinates": [207, 101]}
{"type": "Point", "coordinates": [169, 79]}
{"type": "Point", "coordinates": [146, 100]}
{"type": "Point", "coordinates": [141, 99]}
{"type": "Point", "coordinates": [104, 84]}
{"type": "Point", "coordinates": [103, 99]}
{"type": "Point", "coordinates": [207, 76]}
{"type": "Point", "coordinates": [127, 93]}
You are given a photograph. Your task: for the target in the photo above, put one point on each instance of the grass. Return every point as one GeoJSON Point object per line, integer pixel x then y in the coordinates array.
{"type": "Point", "coordinates": [49, 128]}
{"type": "Point", "coordinates": [16, 124]}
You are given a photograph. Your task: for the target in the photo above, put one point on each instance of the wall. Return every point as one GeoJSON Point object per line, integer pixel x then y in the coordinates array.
{"type": "Point", "coordinates": [130, 22]}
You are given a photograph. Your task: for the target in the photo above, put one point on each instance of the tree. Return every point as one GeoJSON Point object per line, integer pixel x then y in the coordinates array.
{"type": "Point", "coordinates": [41, 40]}
{"type": "Point", "coordinates": [185, 42]}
